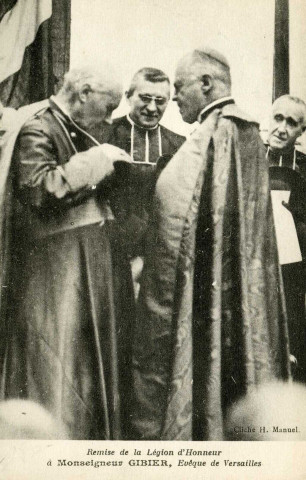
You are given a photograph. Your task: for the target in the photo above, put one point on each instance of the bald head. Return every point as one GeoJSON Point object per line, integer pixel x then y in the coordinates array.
{"type": "Point", "coordinates": [202, 76]}
{"type": "Point", "coordinates": [210, 61]}
{"type": "Point", "coordinates": [91, 94]}
{"type": "Point", "coordinates": [24, 419]}
{"type": "Point", "coordinates": [275, 406]}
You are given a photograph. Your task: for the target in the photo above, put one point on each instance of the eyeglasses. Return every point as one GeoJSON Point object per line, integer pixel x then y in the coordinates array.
{"type": "Point", "coordinates": [147, 99]}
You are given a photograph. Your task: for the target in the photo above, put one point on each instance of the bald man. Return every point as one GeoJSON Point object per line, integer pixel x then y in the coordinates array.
{"type": "Point", "coordinates": [211, 322]}
{"type": "Point", "coordinates": [69, 300]}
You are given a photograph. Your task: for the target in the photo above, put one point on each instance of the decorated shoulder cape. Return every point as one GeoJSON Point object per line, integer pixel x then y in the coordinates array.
{"type": "Point", "coordinates": [244, 313]}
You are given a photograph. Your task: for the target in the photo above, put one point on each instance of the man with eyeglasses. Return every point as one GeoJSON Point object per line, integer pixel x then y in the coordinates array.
{"type": "Point", "coordinates": [288, 185]}
{"type": "Point", "coordinates": [139, 133]}
{"type": "Point", "coordinates": [69, 301]}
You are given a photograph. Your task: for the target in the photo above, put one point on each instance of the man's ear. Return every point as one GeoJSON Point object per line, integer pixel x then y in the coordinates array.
{"type": "Point", "coordinates": [83, 93]}
{"type": "Point", "coordinates": [127, 96]}
{"type": "Point", "coordinates": [206, 83]}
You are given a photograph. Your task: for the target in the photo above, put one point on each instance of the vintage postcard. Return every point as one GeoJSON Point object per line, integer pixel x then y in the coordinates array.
{"type": "Point", "coordinates": [152, 290]}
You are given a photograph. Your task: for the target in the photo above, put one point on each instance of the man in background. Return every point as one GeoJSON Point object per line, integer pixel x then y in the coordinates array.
{"type": "Point", "coordinates": [211, 322]}
{"type": "Point", "coordinates": [140, 134]}
{"type": "Point", "coordinates": [288, 175]}
{"type": "Point", "coordinates": [69, 301]}
{"type": "Point", "coordinates": [287, 124]}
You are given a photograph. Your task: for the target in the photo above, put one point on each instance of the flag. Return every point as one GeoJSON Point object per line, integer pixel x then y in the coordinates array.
{"type": "Point", "coordinates": [34, 49]}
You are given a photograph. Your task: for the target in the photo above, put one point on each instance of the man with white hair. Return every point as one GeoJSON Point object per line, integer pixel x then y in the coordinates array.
{"type": "Point", "coordinates": [288, 177]}
{"type": "Point", "coordinates": [211, 322]}
{"type": "Point", "coordinates": [287, 124]}
{"type": "Point", "coordinates": [68, 326]}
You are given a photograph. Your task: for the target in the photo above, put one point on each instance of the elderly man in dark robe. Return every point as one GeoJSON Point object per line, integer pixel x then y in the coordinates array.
{"type": "Point", "coordinates": [211, 322]}
{"type": "Point", "coordinates": [288, 177]}
{"type": "Point", "coordinates": [69, 301]}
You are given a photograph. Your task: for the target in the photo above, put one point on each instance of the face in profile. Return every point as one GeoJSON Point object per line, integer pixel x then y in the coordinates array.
{"type": "Point", "coordinates": [148, 102]}
{"type": "Point", "coordinates": [99, 104]}
{"type": "Point", "coordinates": [286, 125]}
{"type": "Point", "coordinates": [188, 92]}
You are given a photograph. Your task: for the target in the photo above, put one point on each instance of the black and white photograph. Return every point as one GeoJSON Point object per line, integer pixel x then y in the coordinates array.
{"type": "Point", "coordinates": [152, 239]}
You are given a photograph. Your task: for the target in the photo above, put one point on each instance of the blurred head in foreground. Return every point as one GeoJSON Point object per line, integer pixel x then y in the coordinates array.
{"type": "Point", "coordinates": [23, 419]}
{"type": "Point", "coordinates": [274, 411]}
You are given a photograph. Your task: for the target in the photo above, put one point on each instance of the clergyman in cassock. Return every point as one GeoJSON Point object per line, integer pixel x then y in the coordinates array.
{"type": "Point", "coordinates": [142, 136]}
{"type": "Point", "coordinates": [288, 185]}
{"type": "Point", "coordinates": [68, 320]}
{"type": "Point", "coordinates": [139, 132]}
{"type": "Point", "coordinates": [211, 322]}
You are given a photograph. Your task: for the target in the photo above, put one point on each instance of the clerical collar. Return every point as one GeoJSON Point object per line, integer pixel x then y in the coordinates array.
{"type": "Point", "coordinates": [221, 102]}
{"type": "Point", "coordinates": [139, 126]}
{"type": "Point", "coordinates": [283, 159]}
{"type": "Point", "coordinates": [147, 141]}
{"type": "Point", "coordinates": [61, 106]}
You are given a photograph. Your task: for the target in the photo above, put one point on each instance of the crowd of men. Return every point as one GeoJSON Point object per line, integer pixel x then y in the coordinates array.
{"type": "Point", "coordinates": [92, 208]}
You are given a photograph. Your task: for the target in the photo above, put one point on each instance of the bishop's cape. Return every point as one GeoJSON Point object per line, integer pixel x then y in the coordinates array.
{"type": "Point", "coordinates": [211, 318]}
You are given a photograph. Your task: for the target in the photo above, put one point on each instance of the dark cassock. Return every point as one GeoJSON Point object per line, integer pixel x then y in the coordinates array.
{"type": "Point", "coordinates": [132, 203]}
{"type": "Point", "coordinates": [288, 174]}
{"type": "Point", "coordinates": [211, 322]}
{"type": "Point", "coordinates": [143, 144]}
{"type": "Point", "coordinates": [68, 303]}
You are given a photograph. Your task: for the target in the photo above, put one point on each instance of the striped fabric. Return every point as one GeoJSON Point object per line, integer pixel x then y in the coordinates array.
{"type": "Point", "coordinates": [34, 49]}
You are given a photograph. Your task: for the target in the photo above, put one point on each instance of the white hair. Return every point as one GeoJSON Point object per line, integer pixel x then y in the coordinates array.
{"type": "Point", "coordinates": [103, 75]}
{"type": "Point", "coordinates": [298, 101]}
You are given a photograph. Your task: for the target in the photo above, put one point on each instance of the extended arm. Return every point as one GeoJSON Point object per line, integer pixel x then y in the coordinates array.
{"type": "Point", "coordinates": [45, 181]}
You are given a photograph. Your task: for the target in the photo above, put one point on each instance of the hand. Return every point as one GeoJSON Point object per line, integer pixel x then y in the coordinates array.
{"type": "Point", "coordinates": [136, 267]}
{"type": "Point", "coordinates": [113, 153]}
{"type": "Point", "coordinates": [92, 166]}
{"type": "Point", "coordinates": [286, 205]}
{"type": "Point", "coordinates": [293, 360]}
